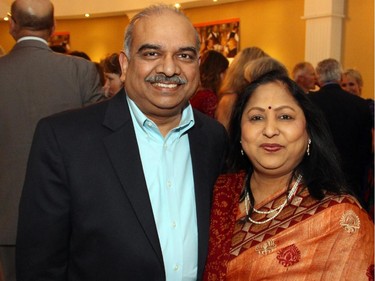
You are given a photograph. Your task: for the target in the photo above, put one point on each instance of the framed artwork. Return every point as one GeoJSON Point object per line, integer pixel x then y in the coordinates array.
{"type": "Point", "coordinates": [221, 36]}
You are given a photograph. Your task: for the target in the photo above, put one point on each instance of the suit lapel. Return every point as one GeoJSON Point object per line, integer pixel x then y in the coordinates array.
{"type": "Point", "coordinates": [200, 163]}
{"type": "Point", "coordinates": [123, 151]}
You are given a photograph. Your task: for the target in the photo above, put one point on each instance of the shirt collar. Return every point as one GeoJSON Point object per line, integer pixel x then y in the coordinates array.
{"type": "Point", "coordinates": [32, 38]}
{"type": "Point", "coordinates": [333, 82]}
{"type": "Point", "coordinates": [187, 118]}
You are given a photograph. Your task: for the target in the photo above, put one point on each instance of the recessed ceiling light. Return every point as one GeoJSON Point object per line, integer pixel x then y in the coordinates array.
{"type": "Point", "coordinates": [6, 18]}
{"type": "Point", "coordinates": [177, 5]}
{"type": "Point", "coordinates": [87, 15]}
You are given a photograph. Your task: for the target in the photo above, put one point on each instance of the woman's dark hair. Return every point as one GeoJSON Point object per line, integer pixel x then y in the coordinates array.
{"type": "Point", "coordinates": [80, 54]}
{"type": "Point", "coordinates": [111, 64]}
{"type": "Point", "coordinates": [213, 64]}
{"type": "Point", "coordinates": [321, 170]}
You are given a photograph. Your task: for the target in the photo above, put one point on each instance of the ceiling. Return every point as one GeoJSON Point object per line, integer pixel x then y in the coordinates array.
{"type": "Point", "coordinates": [66, 9]}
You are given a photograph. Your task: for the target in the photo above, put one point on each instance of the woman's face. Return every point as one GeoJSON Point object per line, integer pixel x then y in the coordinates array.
{"type": "Point", "coordinates": [350, 85]}
{"type": "Point", "coordinates": [112, 85]}
{"type": "Point", "coordinates": [273, 126]}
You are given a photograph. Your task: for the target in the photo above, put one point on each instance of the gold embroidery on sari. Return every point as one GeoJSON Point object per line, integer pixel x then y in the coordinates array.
{"type": "Point", "coordinates": [350, 222]}
{"type": "Point", "coordinates": [266, 248]}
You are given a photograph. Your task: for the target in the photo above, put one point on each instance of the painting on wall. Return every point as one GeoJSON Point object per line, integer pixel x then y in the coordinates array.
{"type": "Point", "coordinates": [221, 36]}
{"type": "Point", "coordinates": [60, 41]}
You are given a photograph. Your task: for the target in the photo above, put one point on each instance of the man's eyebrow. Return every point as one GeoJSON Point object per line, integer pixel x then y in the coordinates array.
{"type": "Point", "coordinates": [149, 47]}
{"type": "Point", "coordinates": [158, 47]}
{"type": "Point", "coordinates": [189, 49]}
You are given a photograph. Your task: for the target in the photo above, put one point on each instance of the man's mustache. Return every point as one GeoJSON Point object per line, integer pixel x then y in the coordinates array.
{"type": "Point", "coordinates": [161, 78]}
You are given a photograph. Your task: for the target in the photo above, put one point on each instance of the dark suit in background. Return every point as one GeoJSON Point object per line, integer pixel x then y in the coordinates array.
{"type": "Point", "coordinates": [34, 82]}
{"type": "Point", "coordinates": [350, 122]}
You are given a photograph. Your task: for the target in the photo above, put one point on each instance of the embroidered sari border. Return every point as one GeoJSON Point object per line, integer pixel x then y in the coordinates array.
{"type": "Point", "coordinates": [301, 208]}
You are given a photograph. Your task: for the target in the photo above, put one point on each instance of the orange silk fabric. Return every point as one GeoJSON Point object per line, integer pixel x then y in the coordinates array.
{"type": "Point", "coordinates": [331, 239]}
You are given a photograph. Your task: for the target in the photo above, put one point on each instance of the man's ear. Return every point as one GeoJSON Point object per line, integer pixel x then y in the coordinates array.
{"type": "Point", "coordinates": [51, 31]}
{"type": "Point", "coordinates": [53, 28]}
{"type": "Point", "coordinates": [12, 28]}
{"type": "Point", "coordinates": [124, 63]}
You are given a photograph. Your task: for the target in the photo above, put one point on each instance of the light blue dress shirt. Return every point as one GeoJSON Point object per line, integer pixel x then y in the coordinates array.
{"type": "Point", "coordinates": [168, 171]}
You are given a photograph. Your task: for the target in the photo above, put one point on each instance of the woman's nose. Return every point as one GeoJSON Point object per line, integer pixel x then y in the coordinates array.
{"type": "Point", "coordinates": [270, 128]}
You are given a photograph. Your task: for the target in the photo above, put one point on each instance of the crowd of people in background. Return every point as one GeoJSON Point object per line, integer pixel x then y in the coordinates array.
{"type": "Point", "coordinates": [173, 160]}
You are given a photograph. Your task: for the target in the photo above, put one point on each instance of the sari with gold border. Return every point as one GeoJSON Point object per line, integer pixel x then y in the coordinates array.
{"type": "Point", "coordinates": [330, 239]}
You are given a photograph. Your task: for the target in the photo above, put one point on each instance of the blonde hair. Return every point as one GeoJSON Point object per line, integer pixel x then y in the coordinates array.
{"type": "Point", "coordinates": [258, 67]}
{"type": "Point", "coordinates": [356, 75]}
{"type": "Point", "coordinates": [234, 81]}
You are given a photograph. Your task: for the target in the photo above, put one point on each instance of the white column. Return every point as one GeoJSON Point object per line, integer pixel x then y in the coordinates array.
{"type": "Point", "coordinates": [324, 20]}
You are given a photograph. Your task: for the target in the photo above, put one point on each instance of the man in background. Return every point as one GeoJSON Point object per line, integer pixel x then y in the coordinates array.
{"type": "Point", "coordinates": [34, 82]}
{"type": "Point", "coordinates": [121, 190]}
{"type": "Point", "coordinates": [304, 75]}
{"type": "Point", "coordinates": [349, 119]}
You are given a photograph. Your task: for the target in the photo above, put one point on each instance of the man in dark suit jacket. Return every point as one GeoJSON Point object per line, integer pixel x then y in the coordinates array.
{"type": "Point", "coordinates": [96, 202]}
{"type": "Point", "coordinates": [349, 119]}
{"type": "Point", "coordinates": [34, 82]}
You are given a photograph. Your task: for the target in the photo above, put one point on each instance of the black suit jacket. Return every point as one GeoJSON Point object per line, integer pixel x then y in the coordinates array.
{"type": "Point", "coordinates": [85, 212]}
{"type": "Point", "coordinates": [349, 119]}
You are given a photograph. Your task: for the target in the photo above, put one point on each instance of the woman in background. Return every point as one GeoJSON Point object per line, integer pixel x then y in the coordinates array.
{"type": "Point", "coordinates": [234, 83]}
{"type": "Point", "coordinates": [112, 74]}
{"type": "Point", "coordinates": [212, 70]}
{"type": "Point", "coordinates": [352, 82]}
{"type": "Point", "coordinates": [258, 67]}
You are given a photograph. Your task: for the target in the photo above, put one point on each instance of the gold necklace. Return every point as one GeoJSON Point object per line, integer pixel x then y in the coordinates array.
{"type": "Point", "coordinates": [277, 210]}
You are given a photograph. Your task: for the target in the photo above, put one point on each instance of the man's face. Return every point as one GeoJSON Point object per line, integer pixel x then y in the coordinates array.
{"type": "Point", "coordinates": [310, 78]}
{"type": "Point", "coordinates": [162, 71]}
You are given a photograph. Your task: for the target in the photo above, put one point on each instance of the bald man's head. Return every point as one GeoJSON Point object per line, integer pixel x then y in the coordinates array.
{"type": "Point", "coordinates": [33, 15]}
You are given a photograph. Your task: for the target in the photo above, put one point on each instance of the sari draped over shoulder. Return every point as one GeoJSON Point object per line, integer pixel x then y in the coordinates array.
{"type": "Point", "coordinates": [328, 239]}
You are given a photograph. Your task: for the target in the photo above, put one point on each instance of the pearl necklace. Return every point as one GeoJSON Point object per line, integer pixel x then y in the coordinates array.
{"type": "Point", "coordinates": [278, 210]}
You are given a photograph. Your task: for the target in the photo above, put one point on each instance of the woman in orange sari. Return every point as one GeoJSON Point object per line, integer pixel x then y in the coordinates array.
{"type": "Point", "coordinates": [283, 212]}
